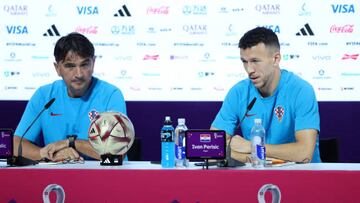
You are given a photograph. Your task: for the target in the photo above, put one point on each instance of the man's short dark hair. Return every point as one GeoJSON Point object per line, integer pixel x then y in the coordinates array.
{"type": "Point", "coordinates": [259, 35]}
{"type": "Point", "coordinates": [76, 43]}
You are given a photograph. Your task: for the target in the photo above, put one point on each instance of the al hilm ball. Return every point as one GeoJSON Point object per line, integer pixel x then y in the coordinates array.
{"type": "Point", "coordinates": [111, 133]}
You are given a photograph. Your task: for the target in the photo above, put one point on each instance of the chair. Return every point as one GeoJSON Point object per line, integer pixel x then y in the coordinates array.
{"type": "Point", "coordinates": [134, 153]}
{"type": "Point", "coordinates": [329, 150]}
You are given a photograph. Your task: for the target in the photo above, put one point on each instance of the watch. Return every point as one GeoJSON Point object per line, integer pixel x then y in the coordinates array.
{"type": "Point", "coordinates": [72, 139]}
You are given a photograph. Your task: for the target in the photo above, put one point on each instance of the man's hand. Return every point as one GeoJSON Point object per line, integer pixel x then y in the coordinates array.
{"type": "Point", "coordinates": [67, 154]}
{"type": "Point", "coordinates": [241, 145]}
{"type": "Point", "coordinates": [49, 150]}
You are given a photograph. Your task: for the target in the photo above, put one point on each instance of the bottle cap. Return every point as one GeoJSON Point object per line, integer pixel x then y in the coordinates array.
{"type": "Point", "coordinates": [181, 120]}
{"type": "Point", "coordinates": [257, 120]}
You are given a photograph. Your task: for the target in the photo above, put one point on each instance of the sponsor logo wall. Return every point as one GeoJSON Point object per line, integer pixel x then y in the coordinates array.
{"type": "Point", "coordinates": [180, 50]}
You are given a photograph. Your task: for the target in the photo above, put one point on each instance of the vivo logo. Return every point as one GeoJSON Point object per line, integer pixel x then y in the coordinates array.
{"type": "Point", "coordinates": [87, 10]}
{"type": "Point", "coordinates": [16, 29]}
{"type": "Point", "coordinates": [343, 8]}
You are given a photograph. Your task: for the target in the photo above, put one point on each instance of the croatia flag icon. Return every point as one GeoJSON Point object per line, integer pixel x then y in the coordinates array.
{"type": "Point", "coordinates": [205, 138]}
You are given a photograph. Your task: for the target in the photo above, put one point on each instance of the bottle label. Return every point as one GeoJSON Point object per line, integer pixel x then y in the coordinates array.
{"type": "Point", "coordinates": [180, 146]}
{"type": "Point", "coordinates": [179, 152]}
{"type": "Point", "coordinates": [167, 154]}
{"type": "Point", "coordinates": [260, 152]}
{"type": "Point", "coordinates": [166, 136]}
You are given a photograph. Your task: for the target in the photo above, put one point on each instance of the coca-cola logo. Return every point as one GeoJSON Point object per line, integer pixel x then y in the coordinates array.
{"type": "Point", "coordinates": [158, 10]}
{"type": "Point", "coordinates": [87, 30]}
{"type": "Point", "coordinates": [342, 29]}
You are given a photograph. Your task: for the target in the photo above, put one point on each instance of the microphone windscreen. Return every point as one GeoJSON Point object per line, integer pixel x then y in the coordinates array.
{"type": "Point", "coordinates": [49, 103]}
{"type": "Point", "coordinates": [251, 103]}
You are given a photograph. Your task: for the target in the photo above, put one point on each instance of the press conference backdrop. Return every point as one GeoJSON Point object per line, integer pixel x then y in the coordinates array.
{"type": "Point", "coordinates": [180, 50]}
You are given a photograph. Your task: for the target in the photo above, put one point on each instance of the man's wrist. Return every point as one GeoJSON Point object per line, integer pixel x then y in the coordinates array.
{"type": "Point", "coordinates": [71, 141]}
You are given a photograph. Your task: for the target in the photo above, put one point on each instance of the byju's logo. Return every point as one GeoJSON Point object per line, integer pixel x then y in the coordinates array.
{"type": "Point", "coordinates": [87, 10]}
{"type": "Point", "coordinates": [306, 30]}
{"type": "Point", "coordinates": [17, 29]}
{"type": "Point", "coordinates": [52, 31]}
{"type": "Point", "coordinates": [343, 8]}
{"type": "Point", "coordinates": [123, 12]}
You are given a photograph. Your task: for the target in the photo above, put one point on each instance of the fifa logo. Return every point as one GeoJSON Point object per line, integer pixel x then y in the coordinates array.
{"type": "Point", "coordinates": [275, 192]}
{"type": "Point", "coordinates": [59, 191]}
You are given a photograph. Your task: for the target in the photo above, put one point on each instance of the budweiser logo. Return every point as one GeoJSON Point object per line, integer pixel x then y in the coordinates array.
{"type": "Point", "coordinates": [342, 29]}
{"type": "Point", "coordinates": [350, 56]}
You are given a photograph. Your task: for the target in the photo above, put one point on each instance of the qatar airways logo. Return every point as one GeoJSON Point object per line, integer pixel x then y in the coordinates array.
{"type": "Point", "coordinates": [195, 29]}
{"type": "Point", "coordinates": [162, 10]}
{"type": "Point", "coordinates": [342, 29]}
{"type": "Point", "coordinates": [87, 30]}
{"type": "Point", "coordinates": [268, 9]}
{"type": "Point", "coordinates": [16, 9]}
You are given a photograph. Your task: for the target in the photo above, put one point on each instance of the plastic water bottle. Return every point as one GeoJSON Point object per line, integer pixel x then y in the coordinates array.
{"type": "Point", "coordinates": [258, 151]}
{"type": "Point", "coordinates": [180, 153]}
{"type": "Point", "coordinates": [167, 144]}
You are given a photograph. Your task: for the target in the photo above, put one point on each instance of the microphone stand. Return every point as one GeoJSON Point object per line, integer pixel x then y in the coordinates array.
{"type": "Point", "coordinates": [231, 162]}
{"type": "Point", "coordinates": [20, 160]}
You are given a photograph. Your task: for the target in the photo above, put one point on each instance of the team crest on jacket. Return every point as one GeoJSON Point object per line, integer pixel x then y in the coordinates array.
{"type": "Point", "coordinates": [279, 112]}
{"type": "Point", "coordinates": [93, 114]}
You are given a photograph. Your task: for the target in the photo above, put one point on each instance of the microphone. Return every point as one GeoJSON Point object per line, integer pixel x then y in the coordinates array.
{"type": "Point", "coordinates": [20, 160]}
{"type": "Point", "coordinates": [248, 108]}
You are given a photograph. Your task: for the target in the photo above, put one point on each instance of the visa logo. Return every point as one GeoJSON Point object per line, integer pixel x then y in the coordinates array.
{"type": "Point", "coordinates": [274, 28]}
{"type": "Point", "coordinates": [13, 29]}
{"type": "Point", "coordinates": [343, 8]}
{"type": "Point", "coordinates": [87, 10]}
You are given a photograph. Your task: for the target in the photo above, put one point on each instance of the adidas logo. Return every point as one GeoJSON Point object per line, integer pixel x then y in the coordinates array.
{"type": "Point", "coordinates": [121, 12]}
{"type": "Point", "coordinates": [306, 30]}
{"type": "Point", "coordinates": [52, 31]}
{"type": "Point", "coordinates": [107, 161]}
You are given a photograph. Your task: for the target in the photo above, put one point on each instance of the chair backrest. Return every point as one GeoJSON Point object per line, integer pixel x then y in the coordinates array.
{"type": "Point", "coordinates": [134, 153]}
{"type": "Point", "coordinates": [329, 151]}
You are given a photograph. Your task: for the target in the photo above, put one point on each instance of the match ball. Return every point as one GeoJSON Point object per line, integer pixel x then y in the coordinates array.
{"type": "Point", "coordinates": [111, 133]}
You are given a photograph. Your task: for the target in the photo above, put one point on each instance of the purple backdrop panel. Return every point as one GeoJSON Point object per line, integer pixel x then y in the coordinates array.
{"type": "Point", "coordinates": [338, 120]}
